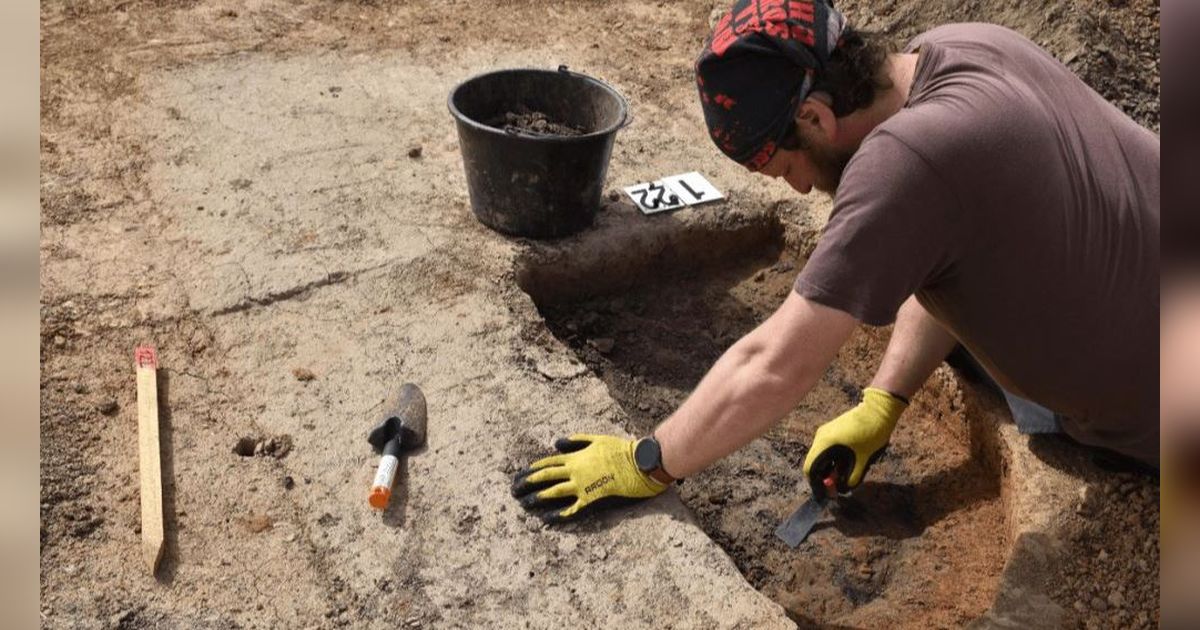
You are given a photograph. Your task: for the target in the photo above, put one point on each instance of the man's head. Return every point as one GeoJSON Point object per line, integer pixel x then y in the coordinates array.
{"type": "Point", "coordinates": [775, 78]}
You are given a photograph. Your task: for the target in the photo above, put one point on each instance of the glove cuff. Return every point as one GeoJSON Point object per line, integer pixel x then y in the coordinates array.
{"type": "Point", "coordinates": [886, 406]}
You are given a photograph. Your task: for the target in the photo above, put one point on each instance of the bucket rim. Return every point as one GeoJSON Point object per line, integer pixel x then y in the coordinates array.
{"type": "Point", "coordinates": [471, 122]}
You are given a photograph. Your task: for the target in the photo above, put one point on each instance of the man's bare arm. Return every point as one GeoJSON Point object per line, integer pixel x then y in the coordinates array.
{"type": "Point", "coordinates": [918, 345]}
{"type": "Point", "coordinates": [754, 384]}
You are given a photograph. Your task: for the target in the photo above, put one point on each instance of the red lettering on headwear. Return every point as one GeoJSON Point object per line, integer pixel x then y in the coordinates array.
{"type": "Point", "coordinates": [801, 10]}
{"type": "Point", "coordinates": [723, 37]}
{"type": "Point", "coordinates": [747, 20]}
{"type": "Point", "coordinates": [724, 101]}
{"type": "Point", "coordinates": [777, 29]}
{"type": "Point", "coordinates": [763, 156]}
{"type": "Point", "coordinates": [772, 10]}
{"type": "Point", "coordinates": [785, 19]}
{"type": "Point", "coordinates": [804, 35]}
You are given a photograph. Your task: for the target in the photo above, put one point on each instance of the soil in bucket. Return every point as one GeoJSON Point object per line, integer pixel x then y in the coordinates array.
{"type": "Point", "coordinates": [525, 120]}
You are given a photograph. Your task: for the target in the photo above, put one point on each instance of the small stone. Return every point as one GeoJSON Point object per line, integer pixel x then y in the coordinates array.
{"type": "Point", "coordinates": [415, 152]}
{"type": "Point", "coordinates": [59, 341]}
{"type": "Point", "coordinates": [1102, 556]}
{"type": "Point", "coordinates": [760, 276]}
{"type": "Point", "coordinates": [603, 345]}
{"type": "Point", "coordinates": [1142, 565]}
{"type": "Point", "coordinates": [80, 388]}
{"type": "Point", "coordinates": [1080, 607]}
{"type": "Point", "coordinates": [1116, 600]}
{"type": "Point", "coordinates": [1099, 605]}
{"type": "Point", "coordinates": [108, 407]}
{"type": "Point", "coordinates": [259, 523]}
{"type": "Point", "coordinates": [303, 374]}
{"type": "Point", "coordinates": [1087, 501]}
{"type": "Point", "coordinates": [289, 538]}
{"type": "Point", "coordinates": [643, 406]}
{"type": "Point", "coordinates": [288, 483]}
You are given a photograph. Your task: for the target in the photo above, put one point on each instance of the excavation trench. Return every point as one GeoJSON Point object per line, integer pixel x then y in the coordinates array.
{"type": "Point", "coordinates": [922, 543]}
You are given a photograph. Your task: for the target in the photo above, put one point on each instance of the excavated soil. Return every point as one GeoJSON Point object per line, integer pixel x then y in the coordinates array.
{"type": "Point", "coordinates": [921, 543]}
{"type": "Point", "coordinates": [534, 122]}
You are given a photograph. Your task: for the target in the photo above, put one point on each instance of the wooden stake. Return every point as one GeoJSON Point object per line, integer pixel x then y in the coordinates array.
{"type": "Point", "coordinates": [150, 467]}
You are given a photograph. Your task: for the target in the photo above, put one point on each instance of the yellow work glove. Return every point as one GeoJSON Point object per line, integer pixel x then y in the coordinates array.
{"type": "Point", "coordinates": [591, 471]}
{"type": "Point", "coordinates": [850, 443]}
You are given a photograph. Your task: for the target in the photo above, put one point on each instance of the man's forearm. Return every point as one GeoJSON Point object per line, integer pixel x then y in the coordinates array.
{"type": "Point", "coordinates": [754, 384]}
{"type": "Point", "coordinates": [918, 345]}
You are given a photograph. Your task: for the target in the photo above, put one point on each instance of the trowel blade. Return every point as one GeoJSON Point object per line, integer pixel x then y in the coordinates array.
{"type": "Point", "coordinates": [795, 529]}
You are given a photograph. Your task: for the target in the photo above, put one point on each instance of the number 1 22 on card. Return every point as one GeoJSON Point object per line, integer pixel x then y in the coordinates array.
{"type": "Point", "coordinates": [672, 193]}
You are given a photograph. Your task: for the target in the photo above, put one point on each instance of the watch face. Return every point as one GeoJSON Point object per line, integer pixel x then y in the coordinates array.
{"type": "Point", "coordinates": [647, 454]}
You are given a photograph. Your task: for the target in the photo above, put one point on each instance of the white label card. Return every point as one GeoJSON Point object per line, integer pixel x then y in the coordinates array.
{"type": "Point", "coordinates": [654, 197]}
{"type": "Point", "coordinates": [672, 193]}
{"type": "Point", "coordinates": [693, 188]}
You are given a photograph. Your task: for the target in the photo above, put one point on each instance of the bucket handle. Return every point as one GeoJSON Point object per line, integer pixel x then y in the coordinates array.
{"type": "Point", "coordinates": [625, 121]}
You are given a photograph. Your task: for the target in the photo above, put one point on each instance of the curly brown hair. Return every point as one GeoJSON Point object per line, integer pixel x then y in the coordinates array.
{"type": "Point", "coordinates": [855, 74]}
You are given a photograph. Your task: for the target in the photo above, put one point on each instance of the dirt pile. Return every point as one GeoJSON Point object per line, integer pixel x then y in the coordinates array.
{"type": "Point", "coordinates": [1109, 577]}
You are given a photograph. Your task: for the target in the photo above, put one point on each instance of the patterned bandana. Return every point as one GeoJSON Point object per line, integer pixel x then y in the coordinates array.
{"type": "Point", "coordinates": [758, 66]}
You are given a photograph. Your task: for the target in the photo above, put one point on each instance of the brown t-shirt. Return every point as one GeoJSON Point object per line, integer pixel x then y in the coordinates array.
{"type": "Point", "coordinates": [1022, 209]}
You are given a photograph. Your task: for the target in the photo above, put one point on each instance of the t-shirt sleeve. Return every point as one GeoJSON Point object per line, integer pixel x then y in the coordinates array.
{"type": "Point", "coordinates": [895, 227]}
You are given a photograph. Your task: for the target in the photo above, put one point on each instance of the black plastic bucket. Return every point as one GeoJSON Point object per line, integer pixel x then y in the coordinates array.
{"type": "Point", "coordinates": [527, 184]}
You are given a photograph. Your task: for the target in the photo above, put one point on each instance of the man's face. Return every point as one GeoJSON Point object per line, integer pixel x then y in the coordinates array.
{"type": "Point", "coordinates": [816, 164]}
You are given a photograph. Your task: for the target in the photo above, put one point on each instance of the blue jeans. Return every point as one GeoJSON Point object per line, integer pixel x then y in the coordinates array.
{"type": "Point", "coordinates": [1029, 416]}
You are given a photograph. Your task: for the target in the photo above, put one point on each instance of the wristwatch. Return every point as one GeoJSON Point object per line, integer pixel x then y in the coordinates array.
{"type": "Point", "coordinates": [647, 454]}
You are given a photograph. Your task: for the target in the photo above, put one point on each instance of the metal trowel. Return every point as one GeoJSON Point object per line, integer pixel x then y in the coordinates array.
{"type": "Point", "coordinates": [795, 529]}
{"type": "Point", "coordinates": [830, 467]}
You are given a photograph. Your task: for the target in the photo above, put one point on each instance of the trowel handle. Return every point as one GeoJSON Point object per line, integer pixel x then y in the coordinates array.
{"type": "Point", "coordinates": [395, 446]}
{"type": "Point", "coordinates": [385, 475]}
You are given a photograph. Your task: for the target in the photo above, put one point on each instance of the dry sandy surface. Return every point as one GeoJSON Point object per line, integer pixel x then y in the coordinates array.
{"type": "Point", "coordinates": [237, 183]}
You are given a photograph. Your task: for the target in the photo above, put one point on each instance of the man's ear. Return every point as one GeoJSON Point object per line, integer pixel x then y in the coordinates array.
{"type": "Point", "coordinates": [816, 119]}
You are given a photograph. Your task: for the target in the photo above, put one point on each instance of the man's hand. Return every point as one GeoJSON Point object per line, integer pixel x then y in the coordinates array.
{"type": "Point", "coordinates": [852, 441]}
{"type": "Point", "coordinates": [591, 471]}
